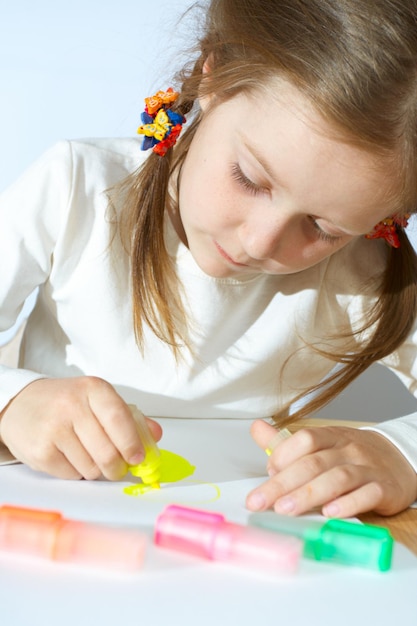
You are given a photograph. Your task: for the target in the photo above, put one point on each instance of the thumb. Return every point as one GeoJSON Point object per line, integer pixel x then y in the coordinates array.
{"type": "Point", "coordinates": [262, 433]}
{"type": "Point", "coordinates": [267, 436]}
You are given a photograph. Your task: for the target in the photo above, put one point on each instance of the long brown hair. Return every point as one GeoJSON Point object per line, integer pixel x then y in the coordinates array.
{"type": "Point", "coordinates": [356, 62]}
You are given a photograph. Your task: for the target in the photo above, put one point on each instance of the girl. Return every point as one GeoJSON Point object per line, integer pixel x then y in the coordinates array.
{"type": "Point", "coordinates": [258, 250]}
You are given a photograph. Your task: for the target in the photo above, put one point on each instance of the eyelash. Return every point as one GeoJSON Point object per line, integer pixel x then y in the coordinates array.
{"type": "Point", "coordinates": [255, 190]}
{"type": "Point", "coordinates": [245, 182]}
{"type": "Point", "coordinates": [321, 234]}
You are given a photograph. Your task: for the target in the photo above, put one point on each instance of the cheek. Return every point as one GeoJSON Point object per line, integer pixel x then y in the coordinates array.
{"type": "Point", "coordinates": [209, 197]}
{"type": "Point", "coordinates": [293, 258]}
{"type": "Point", "coordinates": [312, 254]}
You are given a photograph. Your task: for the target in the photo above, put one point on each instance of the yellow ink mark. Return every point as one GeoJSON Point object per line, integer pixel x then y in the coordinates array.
{"type": "Point", "coordinates": [137, 490]}
{"type": "Point", "coordinates": [173, 468]}
{"type": "Point", "coordinates": [217, 492]}
{"type": "Point", "coordinates": [204, 493]}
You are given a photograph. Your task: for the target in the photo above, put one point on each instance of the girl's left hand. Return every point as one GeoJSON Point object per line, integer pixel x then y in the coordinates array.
{"type": "Point", "coordinates": [345, 471]}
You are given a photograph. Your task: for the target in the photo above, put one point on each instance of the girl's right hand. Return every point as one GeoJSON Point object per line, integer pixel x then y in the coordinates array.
{"type": "Point", "coordinates": [73, 428]}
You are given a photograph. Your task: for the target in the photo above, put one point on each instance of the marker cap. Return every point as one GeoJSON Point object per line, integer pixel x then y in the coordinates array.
{"type": "Point", "coordinates": [350, 543]}
{"type": "Point", "coordinates": [209, 535]}
{"type": "Point", "coordinates": [47, 534]}
{"type": "Point", "coordinates": [334, 540]}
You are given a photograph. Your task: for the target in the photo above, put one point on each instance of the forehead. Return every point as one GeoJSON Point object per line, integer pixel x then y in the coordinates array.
{"type": "Point", "coordinates": [288, 111]}
{"type": "Point", "coordinates": [295, 141]}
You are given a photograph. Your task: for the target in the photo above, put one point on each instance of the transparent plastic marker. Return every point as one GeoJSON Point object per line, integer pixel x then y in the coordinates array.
{"type": "Point", "coordinates": [280, 435]}
{"type": "Point", "coordinates": [334, 540]}
{"type": "Point", "coordinates": [150, 468]}
{"type": "Point", "coordinates": [48, 535]}
{"type": "Point", "coordinates": [209, 535]}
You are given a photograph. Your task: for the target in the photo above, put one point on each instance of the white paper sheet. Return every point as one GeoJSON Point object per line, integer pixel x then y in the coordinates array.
{"type": "Point", "coordinates": [179, 590]}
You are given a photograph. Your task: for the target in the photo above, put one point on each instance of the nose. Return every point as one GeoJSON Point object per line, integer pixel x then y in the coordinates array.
{"type": "Point", "coordinates": [264, 237]}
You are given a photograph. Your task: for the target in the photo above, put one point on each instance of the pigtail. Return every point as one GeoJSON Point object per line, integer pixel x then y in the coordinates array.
{"type": "Point", "coordinates": [393, 317]}
{"type": "Point", "coordinates": [156, 291]}
{"type": "Point", "coordinates": [152, 274]}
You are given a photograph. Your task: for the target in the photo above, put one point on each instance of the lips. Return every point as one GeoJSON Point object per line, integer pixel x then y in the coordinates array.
{"type": "Point", "coordinates": [228, 258]}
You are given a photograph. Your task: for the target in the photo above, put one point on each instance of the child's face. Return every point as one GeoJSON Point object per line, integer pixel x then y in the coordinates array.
{"type": "Point", "coordinates": [264, 189]}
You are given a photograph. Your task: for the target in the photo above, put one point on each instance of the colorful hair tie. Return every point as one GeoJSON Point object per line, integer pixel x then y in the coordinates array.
{"type": "Point", "coordinates": [161, 126]}
{"type": "Point", "coordinates": [388, 229]}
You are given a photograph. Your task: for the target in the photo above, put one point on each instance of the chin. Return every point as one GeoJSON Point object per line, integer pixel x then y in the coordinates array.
{"type": "Point", "coordinates": [214, 270]}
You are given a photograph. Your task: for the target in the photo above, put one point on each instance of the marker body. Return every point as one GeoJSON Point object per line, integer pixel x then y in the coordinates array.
{"type": "Point", "coordinates": [149, 469]}
{"type": "Point", "coordinates": [47, 534]}
{"type": "Point", "coordinates": [208, 535]}
{"type": "Point", "coordinates": [337, 541]}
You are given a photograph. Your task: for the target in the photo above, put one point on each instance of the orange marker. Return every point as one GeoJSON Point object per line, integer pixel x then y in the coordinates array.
{"type": "Point", "coordinates": [47, 534]}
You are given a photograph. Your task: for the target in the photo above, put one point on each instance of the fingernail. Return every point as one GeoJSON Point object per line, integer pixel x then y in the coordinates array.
{"type": "Point", "coordinates": [331, 510]}
{"type": "Point", "coordinates": [256, 501]}
{"type": "Point", "coordinates": [137, 459]}
{"type": "Point", "coordinates": [285, 505]}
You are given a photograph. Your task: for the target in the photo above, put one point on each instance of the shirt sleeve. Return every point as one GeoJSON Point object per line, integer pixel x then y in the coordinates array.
{"type": "Point", "coordinates": [31, 213]}
{"type": "Point", "coordinates": [402, 432]}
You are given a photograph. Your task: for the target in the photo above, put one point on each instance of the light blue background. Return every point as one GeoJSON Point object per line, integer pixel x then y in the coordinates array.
{"type": "Point", "coordinates": [81, 68]}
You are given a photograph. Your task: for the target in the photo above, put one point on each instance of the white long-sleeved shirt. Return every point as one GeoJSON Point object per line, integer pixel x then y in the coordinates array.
{"type": "Point", "coordinates": [55, 234]}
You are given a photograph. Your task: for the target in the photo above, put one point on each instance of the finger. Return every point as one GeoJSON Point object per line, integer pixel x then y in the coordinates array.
{"type": "Point", "coordinates": [92, 452]}
{"type": "Point", "coordinates": [44, 456]}
{"type": "Point", "coordinates": [53, 462]}
{"type": "Point", "coordinates": [326, 487]}
{"type": "Point", "coordinates": [155, 428]}
{"type": "Point", "coordinates": [302, 444]}
{"type": "Point", "coordinates": [297, 476]}
{"type": "Point", "coordinates": [62, 468]}
{"type": "Point", "coordinates": [373, 496]}
{"type": "Point", "coordinates": [284, 449]}
{"type": "Point", "coordinates": [78, 464]}
{"type": "Point", "coordinates": [268, 437]}
{"type": "Point", "coordinates": [262, 433]}
{"type": "Point", "coordinates": [118, 423]}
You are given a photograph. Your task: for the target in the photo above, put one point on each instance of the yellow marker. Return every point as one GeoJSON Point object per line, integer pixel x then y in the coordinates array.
{"type": "Point", "coordinates": [283, 433]}
{"type": "Point", "coordinates": [150, 468]}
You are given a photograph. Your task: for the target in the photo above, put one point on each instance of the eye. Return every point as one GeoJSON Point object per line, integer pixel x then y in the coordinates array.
{"type": "Point", "coordinates": [321, 234]}
{"type": "Point", "coordinates": [245, 182]}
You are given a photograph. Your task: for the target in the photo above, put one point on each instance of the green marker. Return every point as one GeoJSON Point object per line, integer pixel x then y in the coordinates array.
{"type": "Point", "coordinates": [335, 540]}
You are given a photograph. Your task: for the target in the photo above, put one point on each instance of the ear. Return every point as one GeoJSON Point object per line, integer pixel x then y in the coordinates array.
{"type": "Point", "coordinates": [207, 65]}
{"type": "Point", "coordinates": [205, 101]}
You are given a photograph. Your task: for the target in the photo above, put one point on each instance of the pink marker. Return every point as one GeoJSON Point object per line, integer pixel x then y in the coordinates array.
{"type": "Point", "coordinates": [209, 535]}
{"type": "Point", "coordinates": [49, 535]}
